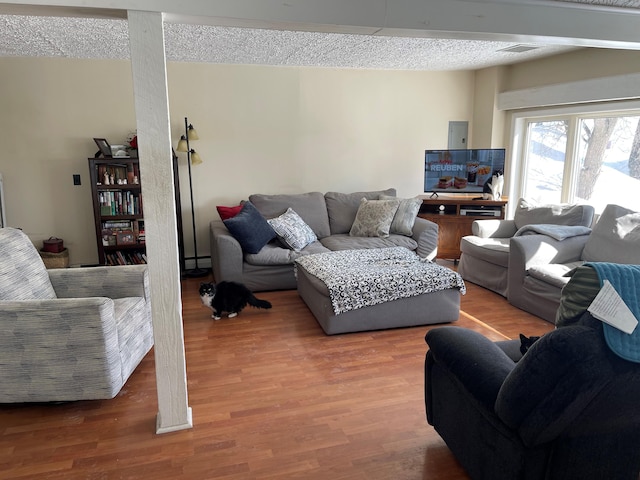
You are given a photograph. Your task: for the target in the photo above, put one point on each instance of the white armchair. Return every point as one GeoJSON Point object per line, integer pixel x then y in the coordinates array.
{"type": "Point", "coordinates": [485, 254]}
{"type": "Point", "coordinates": [68, 334]}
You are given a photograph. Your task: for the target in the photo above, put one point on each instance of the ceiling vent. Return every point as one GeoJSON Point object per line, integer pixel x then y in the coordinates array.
{"type": "Point", "coordinates": [518, 49]}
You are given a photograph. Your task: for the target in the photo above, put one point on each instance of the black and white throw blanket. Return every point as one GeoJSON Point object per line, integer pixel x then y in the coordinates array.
{"type": "Point", "coordinates": [362, 278]}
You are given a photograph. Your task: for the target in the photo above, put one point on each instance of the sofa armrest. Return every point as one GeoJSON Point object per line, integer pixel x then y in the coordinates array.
{"type": "Point", "coordinates": [476, 362]}
{"type": "Point", "coordinates": [111, 282]}
{"type": "Point", "coordinates": [226, 253]}
{"type": "Point", "coordinates": [425, 232]}
{"type": "Point", "coordinates": [67, 347]}
{"type": "Point", "coordinates": [530, 250]}
{"type": "Point", "coordinates": [494, 228]}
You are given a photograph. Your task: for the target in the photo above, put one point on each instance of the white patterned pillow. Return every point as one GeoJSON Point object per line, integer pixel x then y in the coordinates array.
{"type": "Point", "coordinates": [405, 217]}
{"type": "Point", "coordinates": [292, 230]}
{"type": "Point", "coordinates": [374, 218]}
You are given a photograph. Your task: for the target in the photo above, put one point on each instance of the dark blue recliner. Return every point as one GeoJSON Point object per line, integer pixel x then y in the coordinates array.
{"type": "Point", "coordinates": [569, 409]}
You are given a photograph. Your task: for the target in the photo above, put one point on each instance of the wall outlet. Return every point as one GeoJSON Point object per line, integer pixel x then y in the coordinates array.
{"type": "Point", "coordinates": [76, 179]}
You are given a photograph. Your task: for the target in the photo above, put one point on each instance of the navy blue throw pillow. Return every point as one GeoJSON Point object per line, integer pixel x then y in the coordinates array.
{"type": "Point", "coordinates": [250, 229]}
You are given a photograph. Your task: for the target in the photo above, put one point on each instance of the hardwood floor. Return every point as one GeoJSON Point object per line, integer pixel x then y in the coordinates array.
{"type": "Point", "coordinates": [273, 397]}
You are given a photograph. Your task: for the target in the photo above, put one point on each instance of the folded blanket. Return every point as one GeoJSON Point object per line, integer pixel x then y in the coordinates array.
{"type": "Point", "coordinates": [626, 281]}
{"type": "Point", "coordinates": [361, 278]}
{"type": "Point", "coordinates": [557, 232]}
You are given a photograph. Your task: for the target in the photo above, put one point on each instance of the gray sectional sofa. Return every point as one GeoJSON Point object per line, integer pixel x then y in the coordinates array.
{"type": "Point", "coordinates": [330, 216]}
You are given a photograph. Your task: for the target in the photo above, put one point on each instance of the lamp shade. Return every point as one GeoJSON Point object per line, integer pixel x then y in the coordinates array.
{"type": "Point", "coordinates": [195, 158]}
{"type": "Point", "coordinates": [191, 132]}
{"type": "Point", "coordinates": [182, 144]}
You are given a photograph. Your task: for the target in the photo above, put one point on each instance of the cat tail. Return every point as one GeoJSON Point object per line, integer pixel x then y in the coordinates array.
{"type": "Point", "coordinates": [256, 302]}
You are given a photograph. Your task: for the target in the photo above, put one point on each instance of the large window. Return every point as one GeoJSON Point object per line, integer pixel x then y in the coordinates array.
{"type": "Point", "coordinates": [580, 158]}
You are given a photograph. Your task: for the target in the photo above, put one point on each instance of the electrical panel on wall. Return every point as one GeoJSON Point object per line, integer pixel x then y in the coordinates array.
{"type": "Point", "coordinates": [458, 132]}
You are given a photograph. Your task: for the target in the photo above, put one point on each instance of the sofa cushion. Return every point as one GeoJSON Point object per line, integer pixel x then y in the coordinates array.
{"type": "Point", "coordinates": [615, 238]}
{"type": "Point", "coordinates": [228, 212]}
{"type": "Point", "coordinates": [250, 229]}
{"type": "Point", "coordinates": [310, 206]}
{"type": "Point", "coordinates": [23, 275]}
{"type": "Point", "coordinates": [528, 213]}
{"type": "Point", "coordinates": [292, 230]}
{"type": "Point", "coordinates": [373, 218]}
{"type": "Point", "coordinates": [553, 273]}
{"type": "Point", "coordinates": [272, 254]}
{"type": "Point", "coordinates": [405, 216]}
{"type": "Point", "coordinates": [344, 241]}
{"type": "Point", "coordinates": [342, 207]}
{"type": "Point", "coordinates": [492, 250]}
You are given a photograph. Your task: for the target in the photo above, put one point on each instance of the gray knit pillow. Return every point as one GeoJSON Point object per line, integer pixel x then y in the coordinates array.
{"type": "Point", "coordinates": [405, 217]}
{"type": "Point", "coordinates": [374, 218]}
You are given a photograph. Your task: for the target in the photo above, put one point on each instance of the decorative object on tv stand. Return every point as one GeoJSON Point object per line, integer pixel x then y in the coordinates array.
{"type": "Point", "coordinates": [192, 159]}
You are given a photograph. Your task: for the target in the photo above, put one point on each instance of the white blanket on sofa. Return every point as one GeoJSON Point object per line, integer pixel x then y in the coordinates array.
{"type": "Point", "coordinates": [362, 278]}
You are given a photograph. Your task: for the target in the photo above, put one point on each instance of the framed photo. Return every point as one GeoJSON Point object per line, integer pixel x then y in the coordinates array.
{"type": "Point", "coordinates": [103, 145]}
{"type": "Point", "coordinates": [125, 238]}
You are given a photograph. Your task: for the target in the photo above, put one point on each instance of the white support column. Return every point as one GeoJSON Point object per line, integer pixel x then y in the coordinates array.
{"type": "Point", "coordinates": [148, 64]}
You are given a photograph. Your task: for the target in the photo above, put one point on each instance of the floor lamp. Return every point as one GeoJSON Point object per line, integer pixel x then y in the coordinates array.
{"type": "Point", "coordinates": [192, 159]}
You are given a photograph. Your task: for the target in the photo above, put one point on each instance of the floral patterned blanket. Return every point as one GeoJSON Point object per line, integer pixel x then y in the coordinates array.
{"type": "Point", "coordinates": [362, 278]}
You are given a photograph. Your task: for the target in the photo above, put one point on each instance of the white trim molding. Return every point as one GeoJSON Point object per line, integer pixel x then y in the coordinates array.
{"type": "Point", "coordinates": [620, 87]}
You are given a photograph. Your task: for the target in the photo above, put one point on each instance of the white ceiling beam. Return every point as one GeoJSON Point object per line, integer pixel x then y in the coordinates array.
{"type": "Point", "coordinates": [521, 21]}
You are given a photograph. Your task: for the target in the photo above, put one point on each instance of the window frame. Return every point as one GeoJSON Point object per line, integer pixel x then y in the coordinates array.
{"type": "Point", "coordinates": [520, 120]}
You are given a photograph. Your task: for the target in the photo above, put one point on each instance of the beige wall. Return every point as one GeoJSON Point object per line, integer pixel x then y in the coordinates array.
{"type": "Point", "coordinates": [488, 121]}
{"type": "Point", "coordinates": [262, 129]}
{"type": "Point", "coordinates": [50, 109]}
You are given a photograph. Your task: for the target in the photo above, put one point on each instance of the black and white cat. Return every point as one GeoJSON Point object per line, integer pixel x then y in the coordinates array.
{"type": "Point", "coordinates": [487, 191]}
{"type": "Point", "coordinates": [230, 297]}
{"type": "Point", "coordinates": [526, 343]}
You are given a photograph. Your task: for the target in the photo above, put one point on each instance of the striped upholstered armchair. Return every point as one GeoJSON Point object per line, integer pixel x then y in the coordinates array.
{"type": "Point", "coordinates": [68, 334]}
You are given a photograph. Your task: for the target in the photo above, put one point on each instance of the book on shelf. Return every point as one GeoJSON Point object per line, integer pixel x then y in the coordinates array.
{"type": "Point", "coordinates": [118, 202]}
{"type": "Point", "coordinates": [125, 258]}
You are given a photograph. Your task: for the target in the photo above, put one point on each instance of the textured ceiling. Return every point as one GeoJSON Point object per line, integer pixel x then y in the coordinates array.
{"type": "Point", "coordinates": [22, 35]}
{"type": "Point", "coordinates": [76, 38]}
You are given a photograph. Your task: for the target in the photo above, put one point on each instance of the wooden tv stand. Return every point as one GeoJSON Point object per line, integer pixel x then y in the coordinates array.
{"type": "Point", "coordinates": [454, 215]}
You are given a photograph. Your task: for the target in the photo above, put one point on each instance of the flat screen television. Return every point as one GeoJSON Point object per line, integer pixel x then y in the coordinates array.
{"type": "Point", "coordinates": [461, 171]}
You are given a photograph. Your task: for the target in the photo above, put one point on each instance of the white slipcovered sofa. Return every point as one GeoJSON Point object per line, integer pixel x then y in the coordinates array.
{"type": "Point", "coordinates": [485, 254]}
{"type": "Point", "coordinates": [540, 265]}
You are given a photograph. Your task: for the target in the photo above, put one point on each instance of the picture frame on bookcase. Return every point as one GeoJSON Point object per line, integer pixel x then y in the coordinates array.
{"type": "Point", "coordinates": [104, 147]}
{"type": "Point", "coordinates": [125, 238]}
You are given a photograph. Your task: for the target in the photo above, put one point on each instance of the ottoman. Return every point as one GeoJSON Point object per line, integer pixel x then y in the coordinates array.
{"type": "Point", "coordinates": [374, 289]}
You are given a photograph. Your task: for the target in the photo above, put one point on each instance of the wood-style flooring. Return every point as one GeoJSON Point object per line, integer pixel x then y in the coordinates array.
{"type": "Point", "coordinates": [273, 397]}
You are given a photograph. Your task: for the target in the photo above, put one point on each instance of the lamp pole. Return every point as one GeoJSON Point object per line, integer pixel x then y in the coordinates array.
{"type": "Point", "coordinates": [194, 272]}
